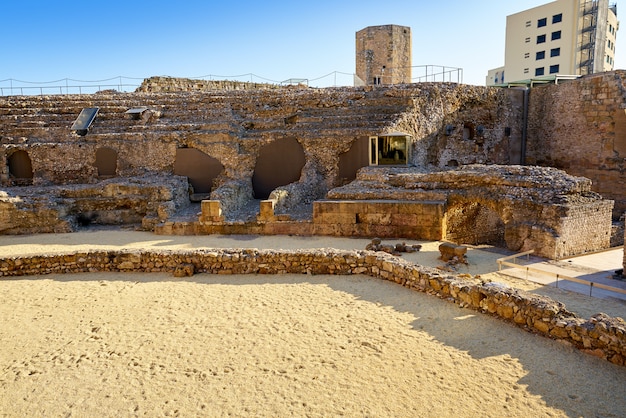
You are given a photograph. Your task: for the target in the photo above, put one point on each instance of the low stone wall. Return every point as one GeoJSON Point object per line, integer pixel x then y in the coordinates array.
{"type": "Point", "coordinates": [380, 218]}
{"type": "Point", "coordinates": [601, 335]}
{"type": "Point", "coordinates": [177, 85]}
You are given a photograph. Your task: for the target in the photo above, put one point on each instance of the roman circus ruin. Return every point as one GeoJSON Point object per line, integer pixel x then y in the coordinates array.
{"type": "Point", "coordinates": [538, 169]}
{"type": "Point", "coordinates": [434, 161]}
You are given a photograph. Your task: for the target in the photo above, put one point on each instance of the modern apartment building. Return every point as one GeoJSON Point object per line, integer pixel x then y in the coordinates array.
{"type": "Point", "coordinates": [565, 37]}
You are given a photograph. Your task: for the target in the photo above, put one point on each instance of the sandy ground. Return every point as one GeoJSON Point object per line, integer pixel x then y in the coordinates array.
{"type": "Point", "coordinates": [210, 345]}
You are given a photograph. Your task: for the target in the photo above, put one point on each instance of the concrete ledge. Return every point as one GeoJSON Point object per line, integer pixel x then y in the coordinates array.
{"type": "Point", "coordinates": [601, 335]}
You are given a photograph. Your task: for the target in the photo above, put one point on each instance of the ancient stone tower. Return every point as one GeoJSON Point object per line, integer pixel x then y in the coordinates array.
{"type": "Point", "coordinates": [383, 55]}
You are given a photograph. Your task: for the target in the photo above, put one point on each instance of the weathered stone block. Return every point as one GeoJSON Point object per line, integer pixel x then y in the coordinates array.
{"type": "Point", "coordinates": [211, 208]}
{"type": "Point", "coordinates": [449, 250]}
{"type": "Point", "coordinates": [184, 270]}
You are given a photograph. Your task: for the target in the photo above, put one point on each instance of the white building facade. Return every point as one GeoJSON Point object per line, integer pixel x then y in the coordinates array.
{"type": "Point", "coordinates": [565, 37]}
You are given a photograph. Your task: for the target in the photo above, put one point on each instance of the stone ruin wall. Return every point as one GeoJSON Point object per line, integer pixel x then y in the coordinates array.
{"type": "Point", "coordinates": [36, 209]}
{"type": "Point", "coordinates": [601, 336]}
{"type": "Point", "coordinates": [518, 207]}
{"type": "Point", "coordinates": [177, 85]}
{"type": "Point", "coordinates": [580, 127]}
{"type": "Point", "coordinates": [455, 131]}
{"type": "Point", "coordinates": [233, 126]}
{"type": "Point", "coordinates": [451, 125]}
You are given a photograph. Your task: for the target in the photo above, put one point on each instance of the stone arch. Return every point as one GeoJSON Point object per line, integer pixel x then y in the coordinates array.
{"type": "Point", "coordinates": [20, 166]}
{"type": "Point", "coordinates": [106, 162]}
{"type": "Point", "coordinates": [200, 168]}
{"type": "Point", "coordinates": [473, 222]}
{"type": "Point", "coordinates": [279, 163]}
{"type": "Point", "coordinates": [353, 159]}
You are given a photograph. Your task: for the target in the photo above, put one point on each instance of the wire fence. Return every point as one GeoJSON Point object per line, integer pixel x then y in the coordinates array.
{"type": "Point", "coordinates": [65, 86]}
{"type": "Point", "coordinates": [436, 73]}
{"type": "Point", "coordinates": [12, 87]}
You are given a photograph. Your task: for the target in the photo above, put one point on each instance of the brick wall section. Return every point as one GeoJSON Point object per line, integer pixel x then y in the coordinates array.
{"type": "Point", "coordinates": [584, 228]}
{"type": "Point", "coordinates": [580, 127]}
{"type": "Point", "coordinates": [601, 335]}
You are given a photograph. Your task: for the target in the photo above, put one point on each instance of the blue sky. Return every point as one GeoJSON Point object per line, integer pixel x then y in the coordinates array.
{"type": "Point", "coordinates": [274, 40]}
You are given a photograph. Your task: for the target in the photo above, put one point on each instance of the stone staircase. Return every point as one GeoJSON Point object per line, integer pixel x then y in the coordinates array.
{"type": "Point", "coordinates": [302, 112]}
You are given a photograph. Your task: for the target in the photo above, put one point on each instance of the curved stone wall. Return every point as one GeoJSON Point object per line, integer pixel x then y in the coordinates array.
{"type": "Point", "coordinates": [601, 335]}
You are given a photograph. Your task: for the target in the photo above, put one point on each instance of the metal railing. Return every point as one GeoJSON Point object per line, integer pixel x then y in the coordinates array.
{"type": "Point", "coordinates": [13, 87]}
{"type": "Point", "coordinates": [437, 73]}
{"type": "Point", "coordinates": [504, 262]}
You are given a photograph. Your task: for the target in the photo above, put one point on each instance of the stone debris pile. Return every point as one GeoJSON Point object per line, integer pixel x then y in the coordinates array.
{"type": "Point", "coordinates": [397, 249]}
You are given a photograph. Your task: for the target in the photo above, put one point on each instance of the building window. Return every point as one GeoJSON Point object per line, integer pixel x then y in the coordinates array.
{"type": "Point", "coordinates": [527, 55]}
{"type": "Point", "coordinates": [528, 23]}
{"type": "Point", "coordinates": [389, 150]}
{"type": "Point", "coordinates": [542, 22]}
{"type": "Point", "coordinates": [540, 55]}
{"type": "Point", "coordinates": [555, 52]}
{"type": "Point", "coordinates": [554, 69]}
{"type": "Point", "coordinates": [526, 71]}
{"type": "Point", "coordinates": [556, 35]}
{"type": "Point", "coordinates": [539, 71]}
{"type": "Point", "coordinates": [527, 40]}
{"type": "Point", "coordinates": [376, 81]}
{"type": "Point", "coordinates": [557, 18]}
{"type": "Point", "coordinates": [541, 39]}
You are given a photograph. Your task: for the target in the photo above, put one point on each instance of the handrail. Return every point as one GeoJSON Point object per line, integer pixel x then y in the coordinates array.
{"type": "Point", "coordinates": [503, 262]}
{"type": "Point", "coordinates": [443, 72]}
{"type": "Point", "coordinates": [514, 256]}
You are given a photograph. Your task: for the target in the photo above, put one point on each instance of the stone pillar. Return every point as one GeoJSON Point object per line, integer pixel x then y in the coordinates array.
{"type": "Point", "coordinates": [211, 211]}
{"type": "Point", "coordinates": [266, 210]}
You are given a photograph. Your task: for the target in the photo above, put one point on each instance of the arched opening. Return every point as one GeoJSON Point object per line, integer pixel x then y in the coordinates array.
{"type": "Point", "coordinates": [474, 223]}
{"type": "Point", "coordinates": [200, 168]}
{"type": "Point", "coordinates": [20, 167]}
{"type": "Point", "coordinates": [279, 163]}
{"type": "Point", "coordinates": [468, 131]}
{"type": "Point", "coordinates": [353, 159]}
{"type": "Point", "coordinates": [106, 162]}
